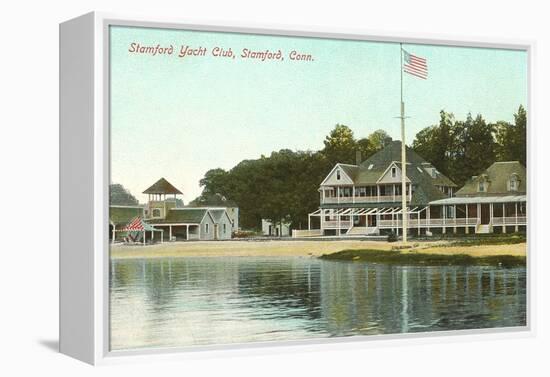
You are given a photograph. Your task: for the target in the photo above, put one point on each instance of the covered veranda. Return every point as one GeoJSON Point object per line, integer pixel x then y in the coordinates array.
{"type": "Point", "coordinates": [180, 231]}
{"type": "Point", "coordinates": [365, 221]}
{"type": "Point", "coordinates": [483, 214]}
{"type": "Point", "coordinates": [137, 231]}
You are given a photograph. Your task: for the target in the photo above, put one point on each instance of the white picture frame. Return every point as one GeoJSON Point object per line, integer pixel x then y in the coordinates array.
{"type": "Point", "coordinates": [84, 178]}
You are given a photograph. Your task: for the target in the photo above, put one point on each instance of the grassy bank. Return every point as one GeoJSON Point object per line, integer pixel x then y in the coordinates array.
{"type": "Point", "coordinates": [477, 239]}
{"type": "Point", "coordinates": [414, 258]}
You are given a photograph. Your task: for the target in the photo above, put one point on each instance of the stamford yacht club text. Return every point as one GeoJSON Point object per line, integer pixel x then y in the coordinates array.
{"type": "Point", "coordinates": [186, 51]}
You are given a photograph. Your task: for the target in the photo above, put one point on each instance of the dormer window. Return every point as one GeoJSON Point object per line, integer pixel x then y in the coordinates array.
{"type": "Point", "coordinates": [483, 183]}
{"type": "Point", "coordinates": [481, 186]}
{"type": "Point", "coordinates": [513, 183]}
{"type": "Point", "coordinates": [156, 212]}
{"type": "Point", "coordinates": [393, 172]}
{"type": "Point", "coordinates": [338, 175]}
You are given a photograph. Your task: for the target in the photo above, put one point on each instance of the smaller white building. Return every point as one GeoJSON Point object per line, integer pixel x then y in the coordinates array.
{"type": "Point", "coordinates": [280, 229]}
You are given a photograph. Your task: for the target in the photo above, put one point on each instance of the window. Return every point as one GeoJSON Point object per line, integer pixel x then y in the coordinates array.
{"type": "Point", "coordinates": [224, 228]}
{"type": "Point", "coordinates": [156, 212]}
{"type": "Point", "coordinates": [513, 183]}
{"type": "Point", "coordinates": [338, 175]}
{"type": "Point", "coordinates": [393, 172]}
{"type": "Point", "coordinates": [481, 186]}
{"type": "Point", "coordinates": [206, 226]}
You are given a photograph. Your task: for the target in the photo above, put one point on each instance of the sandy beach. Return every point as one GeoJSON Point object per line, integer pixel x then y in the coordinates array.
{"type": "Point", "coordinates": [313, 248]}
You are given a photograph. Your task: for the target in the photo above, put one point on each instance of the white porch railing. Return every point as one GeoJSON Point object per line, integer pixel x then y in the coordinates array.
{"type": "Point", "coordinates": [362, 199]}
{"type": "Point", "coordinates": [296, 233]}
{"type": "Point", "coordinates": [415, 223]}
{"type": "Point", "coordinates": [335, 224]}
{"type": "Point", "coordinates": [520, 220]}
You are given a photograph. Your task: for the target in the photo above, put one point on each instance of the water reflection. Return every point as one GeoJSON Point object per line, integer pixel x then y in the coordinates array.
{"type": "Point", "coordinates": [195, 301]}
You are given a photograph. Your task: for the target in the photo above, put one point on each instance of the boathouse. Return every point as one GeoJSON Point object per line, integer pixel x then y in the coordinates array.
{"type": "Point", "coordinates": [164, 215]}
{"type": "Point", "coordinates": [184, 223]}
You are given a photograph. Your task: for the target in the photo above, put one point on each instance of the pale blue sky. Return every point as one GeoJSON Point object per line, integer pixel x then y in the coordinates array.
{"type": "Point", "coordinates": [179, 117]}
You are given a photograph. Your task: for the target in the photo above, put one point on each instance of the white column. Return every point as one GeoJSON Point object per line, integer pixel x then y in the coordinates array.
{"type": "Point", "coordinates": [187, 232]}
{"type": "Point", "coordinates": [418, 216]}
{"type": "Point", "coordinates": [338, 194]}
{"type": "Point", "coordinates": [444, 209]}
{"type": "Point", "coordinates": [454, 218]}
{"type": "Point", "coordinates": [308, 222]}
{"type": "Point", "coordinates": [378, 193]}
{"type": "Point", "coordinates": [339, 226]}
{"type": "Point", "coordinates": [170, 233]}
{"type": "Point", "coordinates": [353, 193]}
{"type": "Point", "coordinates": [467, 226]}
{"type": "Point", "coordinates": [516, 217]}
{"type": "Point", "coordinates": [428, 218]}
{"type": "Point", "coordinates": [114, 232]}
{"type": "Point", "coordinates": [503, 217]}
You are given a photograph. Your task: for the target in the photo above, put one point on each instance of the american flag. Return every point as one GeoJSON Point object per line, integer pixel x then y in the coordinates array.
{"type": "Point", "coordinates": [415, 65]}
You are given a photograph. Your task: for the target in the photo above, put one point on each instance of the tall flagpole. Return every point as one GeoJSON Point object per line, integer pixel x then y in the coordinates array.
{"type": "Point", "coordinates": [403, 157]}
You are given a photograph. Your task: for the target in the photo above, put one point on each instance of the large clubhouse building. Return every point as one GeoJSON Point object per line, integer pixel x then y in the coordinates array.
{"type": "Point", "coordinates": [365, 199]}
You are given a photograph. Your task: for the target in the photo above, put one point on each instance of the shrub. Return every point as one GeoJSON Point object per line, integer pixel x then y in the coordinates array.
{"type": "Point", "coordinates": [392, 237]}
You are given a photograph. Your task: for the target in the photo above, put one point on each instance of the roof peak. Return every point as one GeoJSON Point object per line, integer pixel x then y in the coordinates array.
{"type": "Point", "coordinates": [162, 186]}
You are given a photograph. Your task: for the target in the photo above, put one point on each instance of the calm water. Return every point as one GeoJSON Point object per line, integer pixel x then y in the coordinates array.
{"type": "Point", "coordinates": [198, 301]}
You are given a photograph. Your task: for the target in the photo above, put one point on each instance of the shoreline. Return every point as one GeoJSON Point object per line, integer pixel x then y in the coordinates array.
{"type": "Point", "coordinates": [313, 248]}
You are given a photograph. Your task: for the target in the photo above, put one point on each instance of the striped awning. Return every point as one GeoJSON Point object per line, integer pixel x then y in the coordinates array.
{"type": "Point", "coordinates": [138, 225]}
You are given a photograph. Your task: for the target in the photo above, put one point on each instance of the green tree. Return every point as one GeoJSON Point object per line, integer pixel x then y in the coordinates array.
{"type": "Point", "coordinates": [119, 195]}
{"type": "Point", "coordinates": [378, 140]}
{"type": "Point", "coordinates": [340, 145]}
{"type": "Point", "coordinates": [434, 143]}
{"type": "Point", "coordinates": [512, 138]}
{"type": "Point", "coordinates": [214, 181]}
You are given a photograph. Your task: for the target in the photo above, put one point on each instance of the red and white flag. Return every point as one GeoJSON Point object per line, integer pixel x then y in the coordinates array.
{"type": "Point", "coordinates": [134, 225]}
{"type": "Point", "coordinates": [415, 65]}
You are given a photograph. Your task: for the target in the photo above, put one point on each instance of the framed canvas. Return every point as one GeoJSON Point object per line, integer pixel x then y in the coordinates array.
{"type": "Point", "coordinates": [227, 188]}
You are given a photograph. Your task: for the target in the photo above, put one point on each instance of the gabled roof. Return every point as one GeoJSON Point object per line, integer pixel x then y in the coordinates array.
{"type": "Point", "coordinates": [372, 169]}
{"type": "Point", "coordinates": [217, 214]}
{"type": "Point", "coordinates": [122, 215]}
{"type": "Point", "coordinates": [182, 216]}
{"type": "Point", "coordinates": [497, 175]}
{"type": "Point", "coordinates": [162, 186]}
{"type": "Point", "coordinates": [348, 170]}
